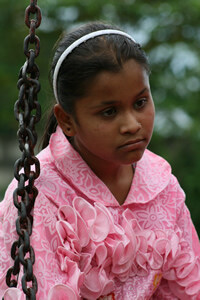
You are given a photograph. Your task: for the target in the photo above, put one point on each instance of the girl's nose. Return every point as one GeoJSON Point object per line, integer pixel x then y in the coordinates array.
{"type": "Point", "coordinates": [130, 124]}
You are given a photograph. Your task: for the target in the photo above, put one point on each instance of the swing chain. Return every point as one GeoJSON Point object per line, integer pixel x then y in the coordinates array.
{"type": "Point", "coordinates": [27, 112]}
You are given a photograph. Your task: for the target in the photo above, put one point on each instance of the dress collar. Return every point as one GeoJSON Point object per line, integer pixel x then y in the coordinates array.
{"type": "Point", "coordinates": [152, 174]}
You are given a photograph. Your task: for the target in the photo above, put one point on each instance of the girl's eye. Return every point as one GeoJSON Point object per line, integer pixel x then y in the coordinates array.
{"type": "Point", "coordinates": [140, 103]}
{"type": "Point", "coordinates": [109, 112]}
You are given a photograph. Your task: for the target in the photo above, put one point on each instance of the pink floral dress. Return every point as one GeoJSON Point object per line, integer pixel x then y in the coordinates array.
{"type": "Point", "coordinates": [87, 246]}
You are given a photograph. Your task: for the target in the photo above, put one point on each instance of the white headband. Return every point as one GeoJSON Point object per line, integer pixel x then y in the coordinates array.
{"type": "Point", "coordinates": [76, 44]}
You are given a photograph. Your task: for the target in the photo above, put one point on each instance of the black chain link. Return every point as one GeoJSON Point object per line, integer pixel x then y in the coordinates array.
{"type": "Point", "coordinates": [27, 112]}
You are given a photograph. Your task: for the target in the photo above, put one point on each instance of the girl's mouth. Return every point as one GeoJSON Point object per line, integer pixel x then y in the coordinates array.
{"type": "Point", "coordinates": [133, 145]}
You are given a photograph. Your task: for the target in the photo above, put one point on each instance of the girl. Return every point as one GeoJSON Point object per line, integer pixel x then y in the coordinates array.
{"type": "Point", "coordinates": [110, 221]}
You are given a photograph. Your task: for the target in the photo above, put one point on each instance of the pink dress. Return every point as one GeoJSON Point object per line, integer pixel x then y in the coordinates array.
{"type": "Point", "coordinates": [87, 246]}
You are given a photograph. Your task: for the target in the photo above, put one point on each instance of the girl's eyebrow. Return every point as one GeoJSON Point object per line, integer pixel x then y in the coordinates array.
{"type": "Point", "coordinates": [142, 91]}
{"type": "Point", "coordinates": [105, 103]}
{"type": "Point", "coordinates": [111, 102]}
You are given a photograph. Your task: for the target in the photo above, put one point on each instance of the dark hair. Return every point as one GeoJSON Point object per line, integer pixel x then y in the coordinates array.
{"type": "Point", "coordinates": [78, 70]}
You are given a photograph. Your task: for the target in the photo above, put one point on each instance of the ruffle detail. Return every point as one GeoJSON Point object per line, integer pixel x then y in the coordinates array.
{"type": "Point", "coordinates": [14, 294]}
{"type": "Point", "coordinates": [68, 291]}
{"type": "Point", "coordinates": [93, 245]}
{"type": "Point", "coordinates": [58, 292]}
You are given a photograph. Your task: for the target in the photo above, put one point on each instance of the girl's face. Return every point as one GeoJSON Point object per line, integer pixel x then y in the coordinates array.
{"type": "Point", "coordinates": [114, 122]}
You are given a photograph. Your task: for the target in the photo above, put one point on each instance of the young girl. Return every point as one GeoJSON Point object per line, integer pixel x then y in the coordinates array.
{"type": "Point", "coordinates": [110, 220]}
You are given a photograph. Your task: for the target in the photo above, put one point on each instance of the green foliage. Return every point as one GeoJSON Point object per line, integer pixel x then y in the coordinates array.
{"type": "Point", "coordinates": [169, 32]}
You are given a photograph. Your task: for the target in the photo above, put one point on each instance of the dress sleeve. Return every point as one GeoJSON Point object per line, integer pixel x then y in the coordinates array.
{"type": "Point", "coordinates": [187, 287]}
{"type": "Point", "coordinates": [53, 282]}
{"type": "Point", "coordinates": [8, 215]}
{"type": "Point", "coordinates": [184, 222]}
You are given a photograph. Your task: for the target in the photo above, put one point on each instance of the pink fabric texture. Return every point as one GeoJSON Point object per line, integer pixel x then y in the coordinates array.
{"type": "Point", "coordinates": [87, 246]}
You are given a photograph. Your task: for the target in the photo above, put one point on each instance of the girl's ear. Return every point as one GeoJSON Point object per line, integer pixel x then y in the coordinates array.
{"type": "Point", "coordinates": [65, 120]}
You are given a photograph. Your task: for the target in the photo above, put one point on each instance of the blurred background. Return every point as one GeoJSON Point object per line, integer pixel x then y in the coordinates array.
{"type": "Point", "coordinates": [169, 32]}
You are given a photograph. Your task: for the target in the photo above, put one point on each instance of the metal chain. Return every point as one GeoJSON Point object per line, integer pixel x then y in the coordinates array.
{"type": "Point", "coordinates": [27, 112]}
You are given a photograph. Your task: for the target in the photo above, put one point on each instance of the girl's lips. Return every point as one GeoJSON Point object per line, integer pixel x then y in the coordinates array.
{"type": "Point", "coordinates": [133, 145]}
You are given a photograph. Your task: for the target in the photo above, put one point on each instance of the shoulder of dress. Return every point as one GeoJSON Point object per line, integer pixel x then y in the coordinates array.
{"type": "Point", "coordinates": [156, 160]}
{"type": "Point", "coordinates": [162, 169]}
{"type": "Point", "coordinates": [152, 176]}
{"type": "Point", "coordinates": [155, 166]}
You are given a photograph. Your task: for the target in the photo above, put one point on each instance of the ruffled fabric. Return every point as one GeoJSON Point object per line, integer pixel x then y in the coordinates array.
{"type": "Point", "coordinates": [58, 292]}
{"type": "Point", "coordinates": [68, 291]}
{"type": "Point", "coordinates": [14, 294]}
{"type": "Point", "coordinates": [104, 251]}
{"type": "Point", "coordinates": [94, 252]}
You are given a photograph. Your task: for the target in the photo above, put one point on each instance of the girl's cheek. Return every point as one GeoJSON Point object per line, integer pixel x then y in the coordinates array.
{"type": "Point", "coordinates": [101, 128]}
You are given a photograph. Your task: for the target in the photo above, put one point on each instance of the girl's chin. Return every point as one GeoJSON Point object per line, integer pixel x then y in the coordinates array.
{"type": "Point", "coordinates": [133, 158]}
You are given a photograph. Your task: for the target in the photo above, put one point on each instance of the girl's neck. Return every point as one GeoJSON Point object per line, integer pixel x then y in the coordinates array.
{"type": "Point", "coordinates": [118, 178]}
{"type": "Point", "coordinates": [113, 175]}
{"type": "Point", "coordinates": [120, 183]}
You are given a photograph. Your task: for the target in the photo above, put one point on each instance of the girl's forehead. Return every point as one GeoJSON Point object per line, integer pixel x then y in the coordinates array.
{"type": "Point", "coordinates": [132, 74]}
{"type": "Point", "coordinates": [121, 87]}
